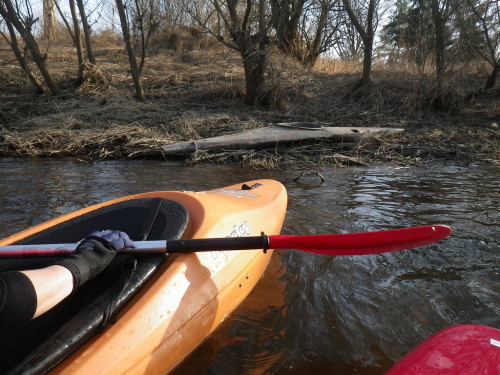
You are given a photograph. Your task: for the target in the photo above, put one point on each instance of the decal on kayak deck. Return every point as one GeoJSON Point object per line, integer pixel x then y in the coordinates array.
{"type": "Point", "coordinates": [495, 342]}
{"type": "Point", "coordinates": [239, 231]}
{"type": "Point", "coordinates": [235, 193]}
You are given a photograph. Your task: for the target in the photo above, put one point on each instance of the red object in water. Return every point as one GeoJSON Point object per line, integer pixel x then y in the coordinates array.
{"type": "Point", "coordinates": [466, 349]}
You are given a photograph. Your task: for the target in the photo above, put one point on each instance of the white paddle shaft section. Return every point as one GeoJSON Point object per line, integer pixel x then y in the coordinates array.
{"type": "Point", "coordinates": [22, 251]}
{"type": "Point", "coordinates": [175, 246]}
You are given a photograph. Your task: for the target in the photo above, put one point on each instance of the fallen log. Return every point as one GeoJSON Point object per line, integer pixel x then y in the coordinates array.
{"type": "Point", "coordinates": [274, 136]}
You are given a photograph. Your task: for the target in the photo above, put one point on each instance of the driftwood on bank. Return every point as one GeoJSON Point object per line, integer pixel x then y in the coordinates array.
{"type": "Point", "coordinates": [273, 136]}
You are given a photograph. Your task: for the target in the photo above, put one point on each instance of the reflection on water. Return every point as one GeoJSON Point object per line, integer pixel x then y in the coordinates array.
{"type": "Point", "coordinates": [357, 315]}
{"type": "Point", "coordinates": [312, 313]}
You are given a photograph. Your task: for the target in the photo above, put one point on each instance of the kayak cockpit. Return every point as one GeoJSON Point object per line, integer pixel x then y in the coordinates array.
{"type": "Point", "coordinates": [45, 341]}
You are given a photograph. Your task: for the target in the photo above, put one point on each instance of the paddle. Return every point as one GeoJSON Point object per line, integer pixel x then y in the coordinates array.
{"type": "Point", "coordinates": [330, 244]}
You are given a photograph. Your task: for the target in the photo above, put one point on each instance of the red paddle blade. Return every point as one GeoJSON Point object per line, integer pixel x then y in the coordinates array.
{"type": "Point", "coordinates": [363, 243]}
{"type": "Point", "coordinates": [461, 349]}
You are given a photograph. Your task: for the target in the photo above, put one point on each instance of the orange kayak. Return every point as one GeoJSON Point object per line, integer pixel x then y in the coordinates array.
{"type": "Point", "coordinates": [170, 304]}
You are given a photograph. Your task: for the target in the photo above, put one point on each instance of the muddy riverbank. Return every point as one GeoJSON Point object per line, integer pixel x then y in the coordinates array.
{"type": "Point", "coordinates": [198, 94]}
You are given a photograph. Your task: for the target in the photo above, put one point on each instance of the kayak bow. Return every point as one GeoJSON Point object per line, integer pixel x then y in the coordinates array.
{"type": "Point", "coordinates": [466, 349]}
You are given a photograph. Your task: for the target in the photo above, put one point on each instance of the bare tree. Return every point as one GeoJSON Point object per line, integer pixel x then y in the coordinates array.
{"type": "Point", "coordinates": [319, 26]}
{"type": "Point", "coordinates": [74, 32]}
{"type": "Point", "coordinates": [285, 18]}
{"type": "Point", "coordinates": [86, 31]}
{"type": "Point", "coordinates": [441, 12]}
{"type": "Point", "coordinates": [135, 69]}
{"type": "Point", "coordinates": [23, 23]}
{"type": "Point", "coordinates": [487, 16]}
{"type": "Point", "coordinates": [245, 23]}
{"type": "Point", "coordinates": [349, 44]}
{"type": "Point", "coordinates": [304, 28]}
{"type": "Point", "coordinates": [50, 27]}
{"type": "Point", "coordinates": [77, 38]}
{"type": "Point", "coordinates": [145, 24]}
{"type": "Point", "coordinates": [171, 14]}
{"type": "Point", "coordinates": [12, 40]}
{"type": "Point", "coordinates": [364, 17]}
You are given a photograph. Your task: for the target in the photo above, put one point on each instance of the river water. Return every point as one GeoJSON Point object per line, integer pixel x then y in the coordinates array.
{"type": "Point", "coordinates": [315, 314]}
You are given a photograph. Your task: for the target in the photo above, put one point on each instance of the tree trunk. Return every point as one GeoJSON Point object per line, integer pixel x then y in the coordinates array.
{"type": "Point", "coordinates": [366, 35]}
{"type": "Point", "coordinates": [77, 31]}
{"type": "Point", "coordinates": [74, 31]}
{"type": "Point", "coordinates": [367, 62]}
{"type": "Point", "coordinates": [314, 50]}
{"type": "Point", "coordinates": [50, 30]}
{"type": "Point", "coordinates": [262, 17]}
{"type": "Point", "coordinates": [254, 61]}
{"type": "Point", "coordinates": [285, 19]}
{"type": "Point", "coordinates": [253, 50]}
{"type": "Point", "coordinates": [254, 64]}
{"type": "Point", "coordinates": [136, 74]}
{"type": "Point", "coordinates": [8, 12]}
{"type": "Point", "coordinates": [492, 79]}
{"type": "Point", "coordinates": [20, 58]}
{"type": "Point", "coordinates": [86, 31]}
{"type": "Point", "coordinates": [440, 30]}
{"type": "Point", "coordinates": [40, 61]}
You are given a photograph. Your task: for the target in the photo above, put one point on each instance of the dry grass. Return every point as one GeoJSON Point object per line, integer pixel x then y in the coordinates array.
{"type": "Point", "coordinates": [195, 90]}
{"type": "Point", "coordinates": [336, 66]}
{"type": "Point", "coordinates": [92, 81]}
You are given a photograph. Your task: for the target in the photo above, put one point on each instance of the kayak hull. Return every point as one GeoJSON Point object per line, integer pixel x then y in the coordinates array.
{"type": "Point", "coordinates": [190, 294]}
{"type": "Point", "coordinates": [466, 349]}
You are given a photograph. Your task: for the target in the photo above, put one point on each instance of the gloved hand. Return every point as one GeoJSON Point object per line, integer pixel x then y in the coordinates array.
{"type": "Point", "coordinates": [93, 254]}
{"type": "Point", "coordinates": [118, 239]}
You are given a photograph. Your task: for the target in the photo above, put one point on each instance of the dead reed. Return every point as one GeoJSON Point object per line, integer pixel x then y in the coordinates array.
{"type": "Point", "coordinates": [195, 90]}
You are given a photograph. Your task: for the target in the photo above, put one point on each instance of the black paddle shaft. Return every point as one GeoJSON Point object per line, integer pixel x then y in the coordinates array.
{"type": "Point", "coordinates": [218, 244]}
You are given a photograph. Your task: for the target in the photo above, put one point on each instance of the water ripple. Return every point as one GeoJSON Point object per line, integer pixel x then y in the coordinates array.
{"type": "Point", "coordinates": [346, 315]}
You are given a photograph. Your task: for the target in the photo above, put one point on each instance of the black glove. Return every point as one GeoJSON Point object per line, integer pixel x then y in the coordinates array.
{"type": "Point", "coordinates": [94, 254]}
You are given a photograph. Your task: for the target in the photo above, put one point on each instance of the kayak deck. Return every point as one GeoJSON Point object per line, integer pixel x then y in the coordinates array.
{"type": "Point", "coordinates": [466, 349]}
{"type": "Point", "coordinates": [190, 294]}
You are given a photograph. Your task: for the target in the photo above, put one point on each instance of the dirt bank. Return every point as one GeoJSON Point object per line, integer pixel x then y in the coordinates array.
{"type": "Point", "coordinates": [198, 94]}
